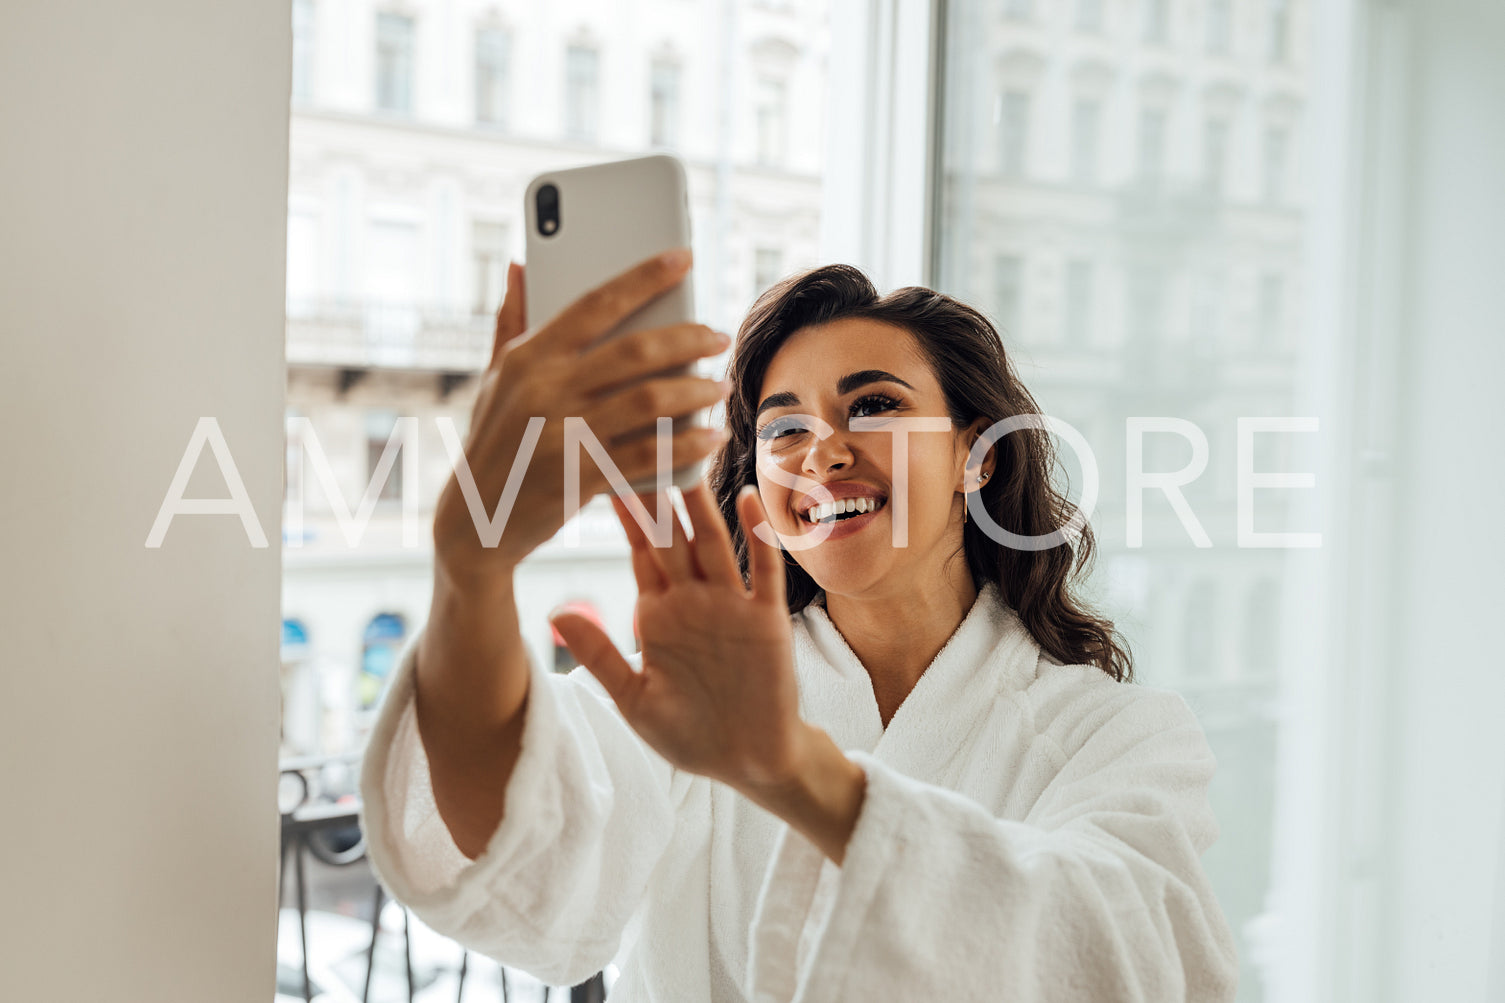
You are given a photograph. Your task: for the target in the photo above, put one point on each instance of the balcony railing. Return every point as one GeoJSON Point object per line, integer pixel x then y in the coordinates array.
{"type": "Point", "coordinates": [372, 334]}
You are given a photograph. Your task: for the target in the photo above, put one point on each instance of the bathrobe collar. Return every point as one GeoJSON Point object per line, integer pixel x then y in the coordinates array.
{"type": "Point", "coordinates": [990, 653]}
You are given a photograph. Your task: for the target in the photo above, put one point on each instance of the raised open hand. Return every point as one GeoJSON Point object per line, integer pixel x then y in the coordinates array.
{"type": "Point", "coordinates": [717, 693]}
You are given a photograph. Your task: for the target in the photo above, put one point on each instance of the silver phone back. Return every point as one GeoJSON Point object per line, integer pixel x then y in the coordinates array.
{"type": "Point", "coordinates": [611, 217]}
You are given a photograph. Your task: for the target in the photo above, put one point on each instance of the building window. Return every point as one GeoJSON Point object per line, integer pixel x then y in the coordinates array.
{"type": "Point", "coordinates": [1215, 155]}
{"type": "Point", "coordinates": [394, 63]}
{"type": "Point", "coordinates": [1089, 15]}
{"type": "Point", "coordinates": [1219, 25]}
{"type": "Point", "coordinates": [1200, 651]}
{"type": "Point", "coordinates": [663, 105]}
{"type": "Point", "coordinates": [1270, 309]}
{"type": "Point", "coordinates": [1008, 293]}
{"type": "Point", "coordinates": [1013, 132]}
{"type": "Point", "coordinates": [582, 93]}
{"type": "Point", "coordinates": [1086, 127]}
{"type": "Point", "coordinates": [492, 51]}
{"type": "Point", "coordinates": [768, 268]}
{"type": "Point", "coordinates": [1151, 145]}
{"type": "Point", "coordinates": [292, 476]}
{"type": "Point", "coordinates": [1261, 629]}
{"type": "Point", "coordinates": [303, 50]}
{"type": "Point", "coordinates": [1146, 304]}
{"type": "Point", "coordinates": [1156, 22]}
{"type": "Point", "coordinates": [1280, 31]}
{"type": "Point", "coordinates": [380, 424]}
{"type": "Point", "coordinates": [1209, 306]}
{"type": "Point", "coordinates": [770, 114]}
{"type": "Point", "coordinates": [1277, 151]}
{"type": "Point", "coordinates": [380, 645]}
{"type": "Point", "coordinates": [488, 248]}
{"type": "Point", "coordinates": [1078, 303]}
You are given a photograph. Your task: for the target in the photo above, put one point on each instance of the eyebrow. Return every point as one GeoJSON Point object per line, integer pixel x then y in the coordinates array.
{"type": "Point", "coordinates": [844, 386]}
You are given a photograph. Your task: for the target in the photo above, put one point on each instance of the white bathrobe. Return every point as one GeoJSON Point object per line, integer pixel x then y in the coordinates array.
{"type": "Point", "coordinates": [1031, 832]}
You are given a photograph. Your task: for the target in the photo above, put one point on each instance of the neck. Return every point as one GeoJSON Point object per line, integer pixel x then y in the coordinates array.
{"type": "Point", "coordinates": [896, 636]}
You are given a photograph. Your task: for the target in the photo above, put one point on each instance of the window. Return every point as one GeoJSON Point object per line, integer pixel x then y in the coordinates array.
{"type": "Point", "coordinates": [1151, 145]}
{"type": "Point", "coordinates": [1209, 307]}
{"type": "Point", "coordinates": [1280, 31]}
{"type": "Point", "coordinates": [1078, 303]}
{"type": "Point", "coordinates": [1277, 152]}
{"type": "Point", "coordinates": [292, 478]}
{"type": "Point", "coordinates": [303, 50]}
{"type": "Point", "coordinates": [1270, 309]}
{"type": "Point", "coordinates": [394, 63]}
{"type": "Point", "coordinates": [1156, 22]}
{"type": "Point", "coordinates": [492, 45]}
{"type": "Point", "coordinates": [1008, 294]}
{"type": "Point", "coordinates": [1086, 127]}
{"type": "Point", "coordinates": [768, 268]}
{"type": "Point", "coordinates": [1199, 650]}
{"type": "Point", "coordinates": [770, 114]}
{"type": "Point", "coordinates": [1261, 628]}
{"type": "Point", "coordinates": [302, 263]}
{"type": "Point", "coordinates": [1013, 132]}
{"type": "Point", "coordinates": [380, 424]}
{"type": "Point", "coordinates": [1146, 304]}
{"type": "Point", "coordinates": [488, 248]}
{"type": "Point", "coordinates": [582, 96]}
{"type": "Point", "coordinates": [381, 643]}
{"type": "Point", "coordinates": [1089, 15]}
{"type": "Point", "coordinates": [1214, 155]}
{"type": "Point", "coordinates": [663, 102]}
{"type": "Point", "coordinates": [1219, 25]}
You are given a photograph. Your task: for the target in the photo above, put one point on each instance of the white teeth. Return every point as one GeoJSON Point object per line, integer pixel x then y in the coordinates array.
{"type": "Point", "coordinates": [820, 513]}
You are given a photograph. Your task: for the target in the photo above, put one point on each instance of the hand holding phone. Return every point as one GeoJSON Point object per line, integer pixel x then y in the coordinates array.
{"type": "Point", "coordinates": [514, 468]}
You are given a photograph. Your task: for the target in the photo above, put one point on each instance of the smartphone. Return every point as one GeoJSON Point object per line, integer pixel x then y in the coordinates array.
{"type": "Point", "coordinates": [586, 225]}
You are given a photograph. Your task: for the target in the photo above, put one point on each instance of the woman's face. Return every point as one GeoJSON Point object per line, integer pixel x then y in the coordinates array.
{"type": "Point", "coordinates": [836, 372]}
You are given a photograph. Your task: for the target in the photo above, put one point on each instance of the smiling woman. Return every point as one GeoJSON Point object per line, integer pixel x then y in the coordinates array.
{"type": "Point", "coordinates": [826, 345]}
{"type": "Point", "coordinates": [841, 769]}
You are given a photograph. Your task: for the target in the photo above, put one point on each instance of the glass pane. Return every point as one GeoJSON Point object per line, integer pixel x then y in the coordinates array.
{"type": "Point", "coordinates": [1112, 209]}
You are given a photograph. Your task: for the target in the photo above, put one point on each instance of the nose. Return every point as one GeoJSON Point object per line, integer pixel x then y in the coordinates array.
{"type": "Point", "coordinates": [830, 453]}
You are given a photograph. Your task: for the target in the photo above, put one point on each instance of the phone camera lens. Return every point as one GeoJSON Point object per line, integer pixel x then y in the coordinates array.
{"type": "Point", "coordinates": [547, 205]}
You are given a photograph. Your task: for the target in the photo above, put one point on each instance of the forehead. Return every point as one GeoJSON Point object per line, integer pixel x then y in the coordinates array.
{"type": "Point", "coordinates": [815, 357]}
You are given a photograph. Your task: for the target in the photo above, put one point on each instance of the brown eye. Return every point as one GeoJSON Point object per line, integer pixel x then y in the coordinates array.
{"type": "Point", "coordinates": [871, 403]}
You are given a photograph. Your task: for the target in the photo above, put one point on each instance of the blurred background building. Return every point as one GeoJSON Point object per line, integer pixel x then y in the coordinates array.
{"type": "Point", "coordinates": [415, 130]}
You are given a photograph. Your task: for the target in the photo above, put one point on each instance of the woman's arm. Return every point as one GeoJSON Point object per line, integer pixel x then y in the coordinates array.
{"type": "Point", "coordinates": [501, 741]}
{"type": "Point", "coordinates": [1098, 894]}
{"type": "Point", "coordinates": [507, 498]}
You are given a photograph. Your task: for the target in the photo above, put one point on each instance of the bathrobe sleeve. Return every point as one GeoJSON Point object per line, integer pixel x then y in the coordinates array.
{"type": "Point", "coordinates": [589, 811]}
{"type": "Point", "coordinates": [1098, 894]}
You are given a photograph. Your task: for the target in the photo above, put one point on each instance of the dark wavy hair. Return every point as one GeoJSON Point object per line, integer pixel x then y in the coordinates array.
{"type": "Point", "coordinates": [967, 355]}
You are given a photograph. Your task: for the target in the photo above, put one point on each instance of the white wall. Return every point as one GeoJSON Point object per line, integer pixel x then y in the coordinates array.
{"type": "Point", "coordinates": [142, 212]}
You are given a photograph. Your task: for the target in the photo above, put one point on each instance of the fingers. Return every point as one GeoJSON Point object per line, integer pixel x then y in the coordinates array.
{"type": "Point", "coordinates": [590, 644]}
{"type": "Point", "coordinates": [765, 561]}
{"type": "Point", "coordinates": [645, 567]}
{"type": "Point", "coordinates": [677, 559]}
{"type": "Point", "coordinates": [606, 306]}
{"type": "Point", "coordinates": [637, 354]}
{"type": "Point", "coordinates": [712, 543]}
{"type": "Point", "coordinates": [639, 406]}
{"type": "Point", "coordinates": [637, 459]}
{"type": "Point", "coordinates": [512, 318]}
